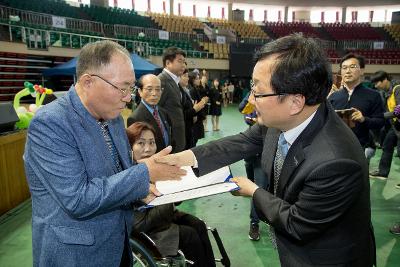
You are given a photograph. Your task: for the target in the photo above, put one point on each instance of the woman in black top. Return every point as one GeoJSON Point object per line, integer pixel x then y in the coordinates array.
{"type": "Point", "coordinates": [216, 101]}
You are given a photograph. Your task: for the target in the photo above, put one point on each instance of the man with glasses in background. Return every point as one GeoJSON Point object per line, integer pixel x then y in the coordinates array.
{"type": "Point", "coordinates": [365, 103]}
{"type": "Point", "coordinates": [149, 89]}
{"type": "Point", "coordinates": [318, 203]}
{"type": "Point", "coordinates": [79, 168]}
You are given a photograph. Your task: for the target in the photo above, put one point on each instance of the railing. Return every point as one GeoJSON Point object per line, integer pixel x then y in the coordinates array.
{"type": "Point", "coordinates": [46, 19]}
{"type": "Point", "coordinates": [41, 39]}
{"type": "Point", "coordinates": [358, 44]}
{"type": "Point", "coordinates": [118, 29]}
{"type": "Point", "coordinates": [155, 51]}
{"type": "Point", "coordinates": [256, 41]}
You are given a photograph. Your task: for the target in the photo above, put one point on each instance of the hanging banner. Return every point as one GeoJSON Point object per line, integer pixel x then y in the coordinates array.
{"type": "Point", "coordinates": [337, 16]}
{"type": "Point", "coordinates": [163, 7]}
{"type": "Point", "coordinates": [115, 3]}
{"type": "Point", "coordinates": [194, 10]}
{"type": "Point", "coordinates": [265, 16]}
{"type": "Point", "coordinates": [223, 13]}
{"type": "Point", "coordinates": [59, 22]}
{"type": "Point", "coordinates": [322, 17]}
{"type": "Point", "coordinates": [163, 35]}
{"type": "Point", "coordinates": [293, 16]}
{"type": "Point", "coordinates": [279, 15]}
{"type": "Point", "coordinates": [220, 39]}
{"type": "Point", "coordinates": [251, 15]}
{"type": "Point", "coordinates": [148, 6]}
{"type": "Point", "coordinates": [209, 12]}
{"type": "Point", "coordinates": [371, 16]}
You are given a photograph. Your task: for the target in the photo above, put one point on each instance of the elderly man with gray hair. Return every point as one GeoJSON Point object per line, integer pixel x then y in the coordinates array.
{"type": "Point", "coordinates": [79, 169]}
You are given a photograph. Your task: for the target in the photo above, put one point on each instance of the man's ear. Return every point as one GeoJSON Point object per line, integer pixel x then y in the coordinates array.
{"type": "Point", "coordinates": [297, 103]}
{"type": "Point", "coordinates": [86, 81]}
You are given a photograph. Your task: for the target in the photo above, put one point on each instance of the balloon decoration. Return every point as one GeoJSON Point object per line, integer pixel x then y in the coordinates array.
{"type": "Point", "coordinates": [25, 115]}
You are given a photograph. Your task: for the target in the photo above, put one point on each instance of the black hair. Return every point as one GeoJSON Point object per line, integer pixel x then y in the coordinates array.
{"type": "Point", "coordinates": [170, 54]}
{"type": "Point", "coordinates": [361, 60]}
{"type": "Point", "coordinates": [380, 76]}
{"type": "Point", "coordinates": [301, 67]}
{"type": "Point", "coordinates": [192, 76]}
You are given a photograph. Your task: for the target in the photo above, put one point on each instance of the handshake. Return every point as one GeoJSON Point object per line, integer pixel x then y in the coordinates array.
{"type": "Point", "coordinates": [165, 166]}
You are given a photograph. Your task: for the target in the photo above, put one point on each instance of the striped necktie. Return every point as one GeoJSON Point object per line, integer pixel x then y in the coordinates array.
{"type": "Point", "coordinates": [110, 144]}
{"type": "Point", "coordinates": [157, 118]}
{"type": "Point", "coordinates": [280, 155]}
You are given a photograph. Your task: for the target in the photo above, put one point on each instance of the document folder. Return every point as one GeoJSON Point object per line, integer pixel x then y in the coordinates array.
{"type": "Point", "coordinates": [191, 186]}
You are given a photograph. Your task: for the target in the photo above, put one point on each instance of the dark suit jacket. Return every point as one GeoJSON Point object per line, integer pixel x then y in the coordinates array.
{"type": "Point", "coordinates": [321, 214]}
{"type": "Point", "coordinates": [141, 113]}
{"type": "Point", "coordinates": [171, 101]}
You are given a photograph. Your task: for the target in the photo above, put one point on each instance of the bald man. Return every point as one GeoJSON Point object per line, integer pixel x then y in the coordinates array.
{"type": "Point", "coordinates": [148, 110]}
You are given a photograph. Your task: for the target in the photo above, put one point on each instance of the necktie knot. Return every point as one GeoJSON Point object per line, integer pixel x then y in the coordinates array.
{"type": "Point", "coordinates": [283, 145]}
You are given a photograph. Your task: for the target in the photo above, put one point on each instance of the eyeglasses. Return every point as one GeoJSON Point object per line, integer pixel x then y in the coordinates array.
{"type": "Point", "coordinates": [264, 95]}
{"type": "Point", "coordinates": [351, 67]}
{"type": "Point", "coordinates": [124, 91]}
{"type": "Point", "coordinates": [150, 90]}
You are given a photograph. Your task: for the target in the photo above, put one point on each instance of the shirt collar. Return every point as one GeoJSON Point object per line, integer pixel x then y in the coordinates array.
{"type": "Point", "coordinates": [292, 134]}
{"type": "Point", "coordinates": [173, 76]}
{"type": "Point", "coordinates": [149, 107]}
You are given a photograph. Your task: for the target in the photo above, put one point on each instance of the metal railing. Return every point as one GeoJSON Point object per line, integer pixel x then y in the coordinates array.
{"type": "Point", "coordinates": [46, 19]}
{"type": "Point", "coordinates": [42, 39]}
{"type": "Point", "coordinates": [361, 44]}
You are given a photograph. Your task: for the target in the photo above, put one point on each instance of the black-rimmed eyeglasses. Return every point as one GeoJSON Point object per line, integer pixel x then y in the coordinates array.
{"type": "Point", "coordinates": [124, 91]}
{"type": "Point", "coordinates": [264, 95]}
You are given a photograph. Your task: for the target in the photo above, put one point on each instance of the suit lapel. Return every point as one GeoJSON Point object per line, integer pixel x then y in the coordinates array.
{"type": "Point", "coordinates": [296, 154]}
{"type": "Point", "coordinates": [150, 119]}
{"type": "Point", "coordinates": [122, 146]}
{"type": "Point", "coordinates": [270, 144]}
{"type": "Point", "coordinates": [173, 84]}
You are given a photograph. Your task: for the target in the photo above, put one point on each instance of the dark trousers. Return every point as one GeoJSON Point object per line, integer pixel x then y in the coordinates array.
{"type": "Point", "coordinates": [389, 144]}
{"type": "Point", "coordinates": [256, 174]}
{"type": "Point", "coordinates": [193, 240]}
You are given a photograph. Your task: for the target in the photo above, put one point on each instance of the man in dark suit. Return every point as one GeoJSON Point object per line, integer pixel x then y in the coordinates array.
{"type": "Point", "coordinates": [318, 203]}
{"type": "Point", "coordinates": [148, 110]}
{"type": "Point", "coordinates": [171, 98]}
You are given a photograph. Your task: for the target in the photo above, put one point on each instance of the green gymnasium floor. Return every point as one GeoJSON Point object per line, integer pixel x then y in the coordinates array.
{"type": "Point", "coordinates": [230, 215]}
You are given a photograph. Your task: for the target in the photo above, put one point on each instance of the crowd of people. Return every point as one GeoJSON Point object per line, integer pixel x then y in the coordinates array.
{"type": "Point", "coordinates": [308, 171]}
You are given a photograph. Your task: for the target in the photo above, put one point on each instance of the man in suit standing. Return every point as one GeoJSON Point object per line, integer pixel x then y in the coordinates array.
{"type": "Point", "coordinates": [171, 98]}
{"type": "Point", "coordinates": [318, 202]}
{"type": "Point", "coordinates": [148, 110]}
{"type": "Point", "coordinates": [79, 168]}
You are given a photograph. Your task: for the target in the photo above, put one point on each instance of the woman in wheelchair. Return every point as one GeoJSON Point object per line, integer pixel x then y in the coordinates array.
{"type": "Point", "coordinates": [170, 229]}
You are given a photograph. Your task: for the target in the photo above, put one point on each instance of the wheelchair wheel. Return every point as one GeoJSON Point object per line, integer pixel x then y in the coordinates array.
{"type": "Point", "coordinates": [140, 256]}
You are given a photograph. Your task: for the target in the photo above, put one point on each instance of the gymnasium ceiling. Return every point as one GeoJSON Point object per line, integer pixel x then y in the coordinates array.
{"type": "Point", "coordinates": [336, 3]}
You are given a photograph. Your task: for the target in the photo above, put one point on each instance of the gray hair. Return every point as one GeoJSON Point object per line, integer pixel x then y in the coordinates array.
{"type": "Point", "coordinates": [94, 56]}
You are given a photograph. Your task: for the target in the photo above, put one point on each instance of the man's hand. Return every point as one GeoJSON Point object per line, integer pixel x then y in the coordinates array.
{"type": "Point", "coordinates": [153, 193]}
{"type": "Point", "coordinates": [159, 171]}
{"type": "Point", "coordinates": [357, 116]}
{"type": "Point", "coordinates": [247, 187]}
{"type": "Point", "coordinates": [184, 158]}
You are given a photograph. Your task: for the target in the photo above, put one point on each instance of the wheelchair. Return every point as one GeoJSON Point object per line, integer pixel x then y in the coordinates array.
{"type": "Point", "coordinates": [146, 254]}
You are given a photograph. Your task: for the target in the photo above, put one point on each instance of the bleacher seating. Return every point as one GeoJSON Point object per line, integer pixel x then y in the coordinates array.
{"type": "Point", "coordinates": [242, 29]}
{"type": "Point", "coordinates": [173, 23]}
{"type": "Point", "coordinates": [281, 29]}
{"type": "Point", "coordinates": [394, 31]}
{"type": "Point", "coordinates": [351, 31]}
{"type": "Point", "coordinates": [121, 16]}
{"type": "Point", "coordinates": [54, 7]}
{"type": "Point", "coordinates": [16, 68]}
{"type": "Point", "coordinates": [220, 51]}
{"type": "Point", "coordinates": [379, 56]}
